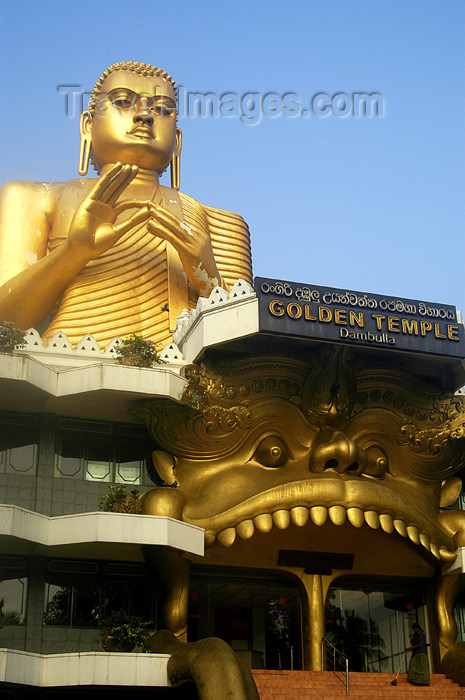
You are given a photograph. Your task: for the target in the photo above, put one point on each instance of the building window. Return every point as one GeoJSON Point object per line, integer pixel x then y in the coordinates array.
{"type": "Point", "coordinates": [13, 590]}
{"type": "Point", "coordinates": [106, 452]}
{"type": "Point", "coordinates": [83, 593]}
{"type": "Point", "coordinates": [13, 594]}
{"type": "Point", "coordinates": [18, 443]}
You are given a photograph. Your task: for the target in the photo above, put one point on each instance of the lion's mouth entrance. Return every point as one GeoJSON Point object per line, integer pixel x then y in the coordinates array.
{"type": "Point", "coordinates": [342, 502]}
{"type": "Point", "coordinates": [338, 515]}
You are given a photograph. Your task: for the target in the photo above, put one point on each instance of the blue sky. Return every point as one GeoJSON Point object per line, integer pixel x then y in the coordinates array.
{"type": "Point", "coordinates": [375, 205]}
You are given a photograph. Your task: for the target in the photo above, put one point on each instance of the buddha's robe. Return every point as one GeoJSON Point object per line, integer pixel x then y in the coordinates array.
{"type": "Point", "coordinates": [139, 286]}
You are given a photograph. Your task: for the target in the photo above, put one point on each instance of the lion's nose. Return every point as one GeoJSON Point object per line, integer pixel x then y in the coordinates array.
{"type": "Point", "coordinates": [334, 450]}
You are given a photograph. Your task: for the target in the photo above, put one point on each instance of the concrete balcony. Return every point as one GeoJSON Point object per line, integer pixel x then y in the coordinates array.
{"type": "Point", "coordinates": [92, 534]}
{"type": "Point", "coordinates": [90, 391]}
{"type": "Point", "coordinates": [83, 669]}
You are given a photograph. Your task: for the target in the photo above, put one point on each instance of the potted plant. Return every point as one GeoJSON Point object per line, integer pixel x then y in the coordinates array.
{"type": "Point", "coordinates": [117, 500]}
{"type": "Point", "coordinates": [137, 352]}
{"type": "Point", "coordinates": [8, 617]}
{"type": "Point", "coordinates": [122, 632]}
{"type": "Point", "coordinates": [11, 338]}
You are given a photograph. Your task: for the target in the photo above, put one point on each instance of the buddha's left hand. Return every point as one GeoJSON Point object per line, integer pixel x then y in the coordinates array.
{"type": "Point", "coordinates": [193, 245]}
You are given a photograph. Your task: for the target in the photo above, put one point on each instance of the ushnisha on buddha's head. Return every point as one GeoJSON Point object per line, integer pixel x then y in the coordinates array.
{"type": "Point", "coordinates": [131, 120]}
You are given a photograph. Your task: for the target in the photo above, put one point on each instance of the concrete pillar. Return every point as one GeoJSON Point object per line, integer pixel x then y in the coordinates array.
{"type": "Point", "coordinates": [45, 464]}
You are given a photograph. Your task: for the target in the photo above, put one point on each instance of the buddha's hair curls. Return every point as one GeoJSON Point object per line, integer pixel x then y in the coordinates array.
{"type": "Point", "coordinates": [141, 68]}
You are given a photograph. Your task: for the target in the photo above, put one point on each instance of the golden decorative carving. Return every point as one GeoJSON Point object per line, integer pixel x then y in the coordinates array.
{"type": "Point", "coordinates": [279, 442]}
{"type": "Point", "coordinates": [70, 252]}
{"type": "Point", "coordinates": [328, 394]}
{"type": "Point", "coordinates": [321, 441]}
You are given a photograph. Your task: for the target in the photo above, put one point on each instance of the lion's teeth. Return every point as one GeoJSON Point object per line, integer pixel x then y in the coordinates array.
{"type": "Point", "coordinates": [210, 538]}
{"type": "Point", "coordinates": [413, 534]}
{"type": "Point", "coordinates": [372, 519]}
{"type": "Point", "coordinates": [337, 514]}
{"type": "Point", "coordinates": [446, 555]}
{"type": "Point", "coordinates": [424, 539]}
{"type": "Point", "coordinates": [319, 515]}
{"type": "Point", "coordinates": [386, 522]}
{"type": "Point", "coordinates": [355, 516]}
{"type": "Point", "coordinates": [227, 537]}
{"type": "Point", "coordinates": [263, 522]}
{"type": "Point", "coordinates": [400, 527]}
{"type": "Point", "coordinates": [299, 516]}
{"type": "Point", "coordinates": [245, 529]}
{"type": "Point", "coordinates": [281, 519]}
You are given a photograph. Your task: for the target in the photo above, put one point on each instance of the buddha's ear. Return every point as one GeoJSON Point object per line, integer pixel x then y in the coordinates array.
{"type": "Point", "coordinates": [176, 161]}
{"type": "Point", "coordinates": [85, 129]}
{"type": "Point", "coordinates": [177, 147]}
{"type": "Point", "coordinates": [85, 124]}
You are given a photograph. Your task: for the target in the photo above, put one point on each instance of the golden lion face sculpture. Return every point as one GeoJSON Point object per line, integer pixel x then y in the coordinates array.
{"type": "Point", "coordinates": [268, 442]}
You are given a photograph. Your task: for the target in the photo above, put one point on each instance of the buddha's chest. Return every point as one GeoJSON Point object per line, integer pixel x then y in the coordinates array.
{"type": "Point", "coordinates": [73, 195]}
{"type": "Point", "coordinates": [70, 199]}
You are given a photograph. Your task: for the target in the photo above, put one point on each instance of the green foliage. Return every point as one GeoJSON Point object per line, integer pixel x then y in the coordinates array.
{"type": "Point", "coordinates": [123, 632]}
{"type": "Point", "coordinates": [57, 609]}
{"type": "Point", "coordinates": [138, 352]}
{"type": "Point", "coordinates": [116, 494]}
{"type": "Point", "coordinates": [11, 337]}
{"type": "Point", "coordinates": [118, 501]}
{"type": "Point", "coordinates": [8, 617]}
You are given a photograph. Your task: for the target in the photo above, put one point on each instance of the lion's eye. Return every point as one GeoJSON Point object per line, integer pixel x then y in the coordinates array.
{"type": "Point", "coordinates": [377, 463]}
{"type": "Point", "coordinates": [271, 452]}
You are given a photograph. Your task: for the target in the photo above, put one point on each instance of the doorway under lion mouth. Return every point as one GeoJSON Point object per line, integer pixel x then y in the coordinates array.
{"type": "Point", "coordinates": [259, 614]}
{"type": "Point", "coordinates": [369, 622]}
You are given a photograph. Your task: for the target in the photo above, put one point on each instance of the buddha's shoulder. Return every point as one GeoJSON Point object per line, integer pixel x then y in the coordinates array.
{"type": "Point", "coordinates": [229, 235]}
{"type": "Point", "coordinates": [43, 193]}
{"type": "Point", "coordinates": [218, 217]}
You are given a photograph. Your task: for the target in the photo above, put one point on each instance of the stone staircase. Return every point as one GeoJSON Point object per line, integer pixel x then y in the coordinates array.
{"type": "Point", "coordinates": [323, 685]}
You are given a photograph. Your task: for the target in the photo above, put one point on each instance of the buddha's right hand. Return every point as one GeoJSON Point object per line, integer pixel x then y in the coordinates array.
{"type": "Point", "coordinates": [93, 229]}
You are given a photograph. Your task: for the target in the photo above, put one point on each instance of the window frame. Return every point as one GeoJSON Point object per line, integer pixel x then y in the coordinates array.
{"type": "Point", "coordinates": [100, 581]}
{"type": "Point", "coordinates": [115, 439]}
{"type": "Point", "coordinates": [11, 424]}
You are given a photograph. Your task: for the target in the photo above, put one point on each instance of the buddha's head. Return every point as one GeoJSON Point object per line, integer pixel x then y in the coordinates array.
{"type": "Point", "coordinates": [131, 119]}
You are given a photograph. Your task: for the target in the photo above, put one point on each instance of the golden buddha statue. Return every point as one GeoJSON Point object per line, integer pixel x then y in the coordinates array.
{"type": "Point", "coordinates": [77, 257]}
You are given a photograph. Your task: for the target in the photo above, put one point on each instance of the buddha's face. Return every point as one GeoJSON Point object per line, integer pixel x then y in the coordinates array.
{"type": "Point", "coordinates": [134, 121]}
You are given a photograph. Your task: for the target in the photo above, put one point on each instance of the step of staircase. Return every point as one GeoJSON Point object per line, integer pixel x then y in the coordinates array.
{"type": "Point", "coordinates": [323, 685]}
